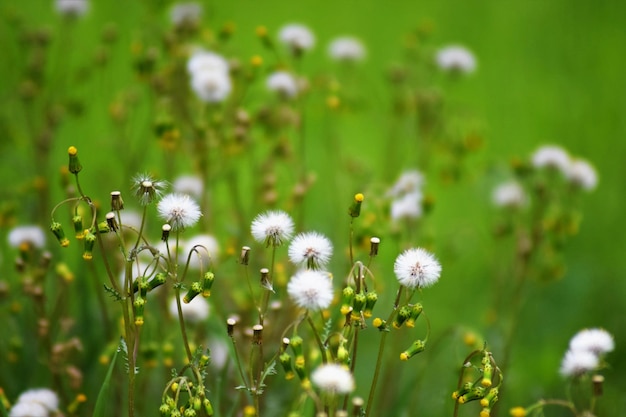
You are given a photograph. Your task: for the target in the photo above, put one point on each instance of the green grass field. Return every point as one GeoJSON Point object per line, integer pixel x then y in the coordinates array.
{"type": "Point", "coordinates": [547, 73]}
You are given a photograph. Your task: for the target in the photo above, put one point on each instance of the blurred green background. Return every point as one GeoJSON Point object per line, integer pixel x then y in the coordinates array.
{"type": "Point", "coordinates": [548, 72]}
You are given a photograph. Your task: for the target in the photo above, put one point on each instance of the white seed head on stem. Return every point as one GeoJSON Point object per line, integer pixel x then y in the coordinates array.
{"type": "Point", "coordinates": [417, 268]}
{"type": "Point", "coordinates": [311, 250]}
{"type": "Point", "coordinates": [179, 211]}
{"type": "Point", "coordinates": [272, 228]}
{"type": "Point", "coordinates": [311, 289]}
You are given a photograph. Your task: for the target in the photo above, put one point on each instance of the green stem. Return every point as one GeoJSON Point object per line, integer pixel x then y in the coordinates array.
{"type": "Point", "coordinates": [320, 344]}
{"type": "Point", "coordinates": [381, 350]}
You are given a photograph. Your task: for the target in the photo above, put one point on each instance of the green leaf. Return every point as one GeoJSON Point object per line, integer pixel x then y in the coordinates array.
{"type": "Point", "coordinates": [103, 396]}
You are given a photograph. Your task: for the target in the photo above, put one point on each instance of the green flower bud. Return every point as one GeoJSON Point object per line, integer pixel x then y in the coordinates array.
{"type": "Point", "coordinates": [79, 230]}
{"type": "Point", "coordinates": [139, 304]}
{"type": "Point", "coordinates": [208, 408]}
{"type": "Point", "coordinates": [403, 314]}
{"type": "Point", "coordinates": [359, 302]}
{"type": "Point", "coordinates": [417, 347]}
{"type": "Point", "coordinates": [90, 241]}
{"type": "Point", "coordinates": [347, 296]}
{"type": "Point", "coordinates": [195, 289]}
{"type": "Point", "coordinates": [74, 164]}
{"type": "Point", "coordinates": [207, 283]}
{"type": "Point", "coordinates": [157, 280]}
{"type": "Point", "coordinates": [370, 301]}
{"type": "Point", "coordinates": [355, 208]}
{"type": "Point", "coordinates": [285, 361]}
{"type": "Point", "coordinates": [416, 310]}
{"type": "Point", "coordinates": [57, 229]}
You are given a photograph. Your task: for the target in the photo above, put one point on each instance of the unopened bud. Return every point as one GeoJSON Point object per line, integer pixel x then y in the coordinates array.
{"type": "Point", "coordinates": [195, 289]}
{"type": "Point", "coordinates": [74, 164]}
{"type": "Point", "coordinates": [58, 232]}
{"type": "Point", "coordinates": [79, 230]}
{"type": "Point", "coordinates": [355, 208]}
{"type": "Point", "coordinates": [90, 240]}
{"type": "Point", "coordinates": [417, 347]}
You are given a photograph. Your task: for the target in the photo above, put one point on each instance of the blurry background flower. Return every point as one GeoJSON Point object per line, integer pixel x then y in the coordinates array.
{"type": "Point", "coordinates": [72, 8]}
{"type": "Point", "coordinates": [456, 58]}
{"type": "Point", "coordinates": [346, 48]}
{"type": "Point", "coordinates": [297, 37]}
{"type": "Point", "coordinates": [185, 13]}
{"type": "Point", "coordinates": [194, 311]}
{"type": "Point", "coordinates": [333, 379]}
{"type": "Point", "coordinates": [207, 252]}
{"type": "Point", "coordinates": [283, 83]}
{"type": "Point", "coordinates": [189, 184]}
{"type": "Point", "coordinates": [509, 194]}
{"type": "Point", "coordinates": [31, 235]}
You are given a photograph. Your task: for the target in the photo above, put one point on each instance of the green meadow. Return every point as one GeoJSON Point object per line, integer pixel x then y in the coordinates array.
{"type": "Point", "coordinates": [516, 283]}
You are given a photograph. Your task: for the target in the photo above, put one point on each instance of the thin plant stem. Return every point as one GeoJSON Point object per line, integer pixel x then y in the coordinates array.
{"type": "Point", "coordinates": [381, 350]}
{"type": "Point", "coordinates": [320, 344]}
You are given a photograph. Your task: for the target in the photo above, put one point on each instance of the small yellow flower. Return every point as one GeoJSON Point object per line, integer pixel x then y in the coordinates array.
{"type": "Point", "coordinates": [518, 412]}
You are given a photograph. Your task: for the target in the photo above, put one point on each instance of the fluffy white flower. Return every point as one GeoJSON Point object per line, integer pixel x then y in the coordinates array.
{"type": "Point", "coordinates": [28, 410]}
{"type": "Point", "coordinates": [311, 289]}
{"type": "Point", "coordinates": [408, 206]}
{"type": "Point", "coordinates": [346, 48]}
{"type": "Point", "coordinates": [283, 83]}
{"type": "Point", "coordinates": [205, 254]}
{"type": "Point", "coordinates": [551, 156]}
{"type": "Point", "coordinates": [201, 61]}
{"type": "Point", "coordinates": [189, 184]}
{"type": "Point", "coordinates": [596, 341]}
{"type": "Point", "coordinates": [311, 250]}
{"type": "Point", "coordinates": [296, 36]}
{"type": "Point", "coordinates": [409, 182]}
{"type": "Point", "coordinates": [583, 174]}
{"type": "Point", "coordinates": [211, 86]}
{"type": "Point", "coordinates": [578, 362]}
{"type": "Point", "coordinates": [333, 379]}
{"type": "Point", "coordinates": [456, 58]}
{"type": "Point", "coordinates": [179, 210]}
{"type": "Point", "coordinates": [194, 311]}
{"type": "Point", "coordinates": [31, 235]}
{"type": "Point", "coordinates": [272, 228]}
{"type": "Point", "coordinates": [42, 396]}
{"type": "Point", "coordinates": [417, 268]}
{"type": "Point", "coordinates": [72, 7]}
{"type": "Point", "coordinates": [509, 194]}
{"type": "Point", "coordinates": [185, 12]}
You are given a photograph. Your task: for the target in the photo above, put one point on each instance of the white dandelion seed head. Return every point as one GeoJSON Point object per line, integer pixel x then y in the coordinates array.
{"type": "Point", "coordinates": [578, 362]}
{"type": "Point", "coordinates": [409, 181]}
{"type": "Point", "coordinates": [551, 156]}
{"type": "Point", "coordinates": [205, 61]}
{"type": "Point", "coordinates": [73, 8]}
{"type": "Point", "coordinates": [417, 268]}
{"type": "Point", "coordinates": [311, 289]}
{"type": "Point", "coordinates": [346, 48]}
{"type": "Point", "coordinates": [207, 250]}
{"type": "Point", "coordinates": [333, 379]}
{"type": "Point", "coordinates": [32, 235]}
{"type": "Point", "coordinates": [194, 311]}
{"type": "Point", "coordinates": [211, 86]}
{"type": "Point", "coordinates": [596, 341]}
{"type": "Point", "coordinates": [282, 83]}
{"type": "Point", "coordinates": [179, 211]}
{"type": "Point", "coordinates": [272, 228]}
{"type": "Point", "coordinates": [408, 206]}
{"type": "Point", "coordinates": [185, 12]}
{"type": "Point", "coordinates": [509, 194]}
{"type": "Point", "coordinates": [28, 410]}
{"type": "Point", "coordinates": [456, 58]}
{"type": "Point", "coordinates": [582, 174]}
{"type": "Point", "coordinates": [189, 184]}
{"type": "Point", "coordinates": [220, 352]}
{"type": "Point", "coordinates": [297, 37]}
{"type": "Point", "coordinates": [42, 396]}
{"type": "Point", "coordinates": [311, 250]}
